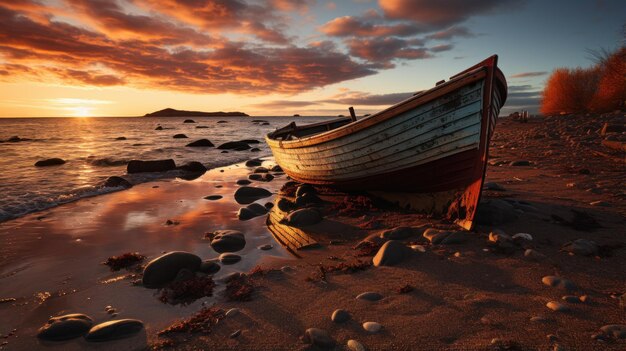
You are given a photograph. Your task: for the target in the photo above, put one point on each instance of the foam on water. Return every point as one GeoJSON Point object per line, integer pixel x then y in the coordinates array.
{"type": "Point", "coordinates": [93, 154]}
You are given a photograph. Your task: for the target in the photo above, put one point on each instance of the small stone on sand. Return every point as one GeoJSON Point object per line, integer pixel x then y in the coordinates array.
{"type": "Point", "coordinates": [372, 327]}
{"type": "Point", "coordinates": [557, 306]}
{"type": "Point", "coordinates": [369, 296]}
{"type": "Point", "coordinates": [340, 316]}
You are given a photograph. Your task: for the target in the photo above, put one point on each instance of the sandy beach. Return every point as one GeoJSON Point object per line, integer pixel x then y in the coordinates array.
{"type": "Point", "coordinates": [481, 291]}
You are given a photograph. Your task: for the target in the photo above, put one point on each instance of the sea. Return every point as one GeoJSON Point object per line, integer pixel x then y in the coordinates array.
{"type": "Point", "coordinates": [92, 153]}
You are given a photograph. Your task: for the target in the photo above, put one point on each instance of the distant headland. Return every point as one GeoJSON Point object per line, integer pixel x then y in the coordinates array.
{"type": "Point", "coordinates": [170, 112]}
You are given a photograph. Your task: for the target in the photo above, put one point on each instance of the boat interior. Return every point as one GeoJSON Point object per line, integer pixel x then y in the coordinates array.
{"type": "Point", "coordinates": [292, 131]}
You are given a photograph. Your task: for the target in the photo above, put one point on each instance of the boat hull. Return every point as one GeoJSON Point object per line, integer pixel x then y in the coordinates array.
{"type": "Point", "coordinates": [434, 142]}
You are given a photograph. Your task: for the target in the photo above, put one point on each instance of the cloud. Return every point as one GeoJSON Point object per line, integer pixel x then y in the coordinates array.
{"type": "Point", "coordinates": [278, 104]}
{"type": "Point", "coordinates": [367, 99]}
{"type": "Point", "coordinates": [440, 13]}
{"type": "Point", "coordinates": [58, 51]}
{"type": "Point", "coordinates": [385, 49]}
{"type": "Point", "coordinates": [348, 26]}
{"type": "Point", "coordinates": [450, 33]}
{"type": "Point", "coordinates": [528, 74]}
{"type": "Point", "coordinates": [441, 48]}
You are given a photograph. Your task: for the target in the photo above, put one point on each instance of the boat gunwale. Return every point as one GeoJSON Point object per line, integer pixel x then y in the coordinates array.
{"type": "Point", "coordinates": [390, 112]}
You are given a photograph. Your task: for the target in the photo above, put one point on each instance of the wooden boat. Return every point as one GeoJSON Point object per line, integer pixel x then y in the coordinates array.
{"type": "Point", "coordinates": [435, 142]}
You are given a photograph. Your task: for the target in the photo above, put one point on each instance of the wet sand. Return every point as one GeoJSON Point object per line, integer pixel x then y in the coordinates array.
{"type": "Point", "coordinates": [473, 295]}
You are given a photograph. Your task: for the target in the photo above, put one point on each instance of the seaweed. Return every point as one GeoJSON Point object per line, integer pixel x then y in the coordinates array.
{"type": "Point", "coordinates": [187, 291]}
{"type": "Point", "coordinates": [126, 260]}
{"type": "Point", "coordinates": [343, 267]}
{"type": "Point", "coordinates": [368, 248]}
{"type": "Point", "coordinates": [203, 321]}
{"type": "Point", "coordinates": [239, 288]}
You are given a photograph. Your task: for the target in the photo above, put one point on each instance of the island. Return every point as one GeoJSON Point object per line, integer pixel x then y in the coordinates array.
{"type": "Point", "coordinates": [170, 112]}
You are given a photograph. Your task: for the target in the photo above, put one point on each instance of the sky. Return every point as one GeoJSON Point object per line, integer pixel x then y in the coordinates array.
{"type": "Point", "coordinates": [85, 58]}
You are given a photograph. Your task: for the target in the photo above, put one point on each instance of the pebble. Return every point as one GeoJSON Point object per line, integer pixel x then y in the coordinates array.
{"type": "Point", "coordinates": [354, 345]}
{"type": "Point", "coordinates": [164, 268]}
{"type": "Point", "coordinates": [340, 316]}
{"type": "Point", "coordinates": [266, 247]}
{"type": "Point", "coordinates": [557, 306]}
{"type": "Point", "coordinates": [229, 258]}
{"type": "Point", "coordinates": [112, 330]}
{"type": "Point", "coordinates": [558, 282]}
{"type": "Point", "coordinates": [369, 296]}
{"type": "Point", "coordinates": [232, 312]}
{"type": "Point", "coordinates": [247, 194]}
{"type": "Point", "coordinates": [571, 299]}
{"type": "Point", "coordinates": [65, 327]}
{"type": "Point", "coordinates": [534, 254]}
{"type": "Point", "coordinates": [228, 241]}
{"type": "Point", "coordinates": [243, 182]}
{"type": "Point", "coordinates": [372, 327]}
{"type": "Point", "coordinates": [318, 337]}
{"type": "Point", "coordinates": [213, 197]}
{"type": "Point", "coordinates": [391, 253]}
{"type": "Point", "coordinates": [520, 163]}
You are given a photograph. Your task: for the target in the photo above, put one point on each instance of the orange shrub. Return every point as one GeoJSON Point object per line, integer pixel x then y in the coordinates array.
{"type": "Point", "coordinates": [601, 88]}
{"type": "Point", "coordinates": [611, 92]}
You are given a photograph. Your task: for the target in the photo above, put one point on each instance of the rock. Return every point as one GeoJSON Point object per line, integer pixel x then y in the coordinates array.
{"type": "Point", "coordinates": [265, 247]}
{"type": "Point", "coordinates": [189, 121]}
{"type": "Point", "coordinates": [493, 186]}
{"type": "Point", "coordinates": [229, 258]}
{"type": "Point", "coordinates": [520, 163]}
{"type": "Point", "coordinates": [276, 168]}
{"type": "Point", "coordinates": [209, 267]}
{"type": "Point", "coordinates": [219, 122]}
{"type": "Point", "coordinates": [120, 138]}
{"type": "Point", "coordinates": [234, 145]}
{"type": "Point", "coordinates": [340, 316]}
{"type": "Point", "coordinates": [228, 241]}
{"type": "Point", "coordinates": [250, 141]}
{"type": "Point", "coordinates": [615, 331]}
{"type": "Point", "coordinates": [115, 182]}
{"type": "Point", "coordinates": [243, 182]}
{"type": "Point", "coordinates": [369, 296]}
{"type": "Point", "coordinates": [254, 163]}
{"type": "Point", "coordinates": [303, 189]}
{"type": "Point", "coordinates": [213, 197]}
{"type": "Point", "coordinates": [164, 269]}
{"type": "Point", "coordinates": [200, 143]}
{"type": "Point", "coordinates": [582, 247]}
{"type": "Point", "coordinates": [372, 327]}
{"type": "Point", "coordinates": [303, 217]}
{"type": "Point", "coordinates": [534, 255]}
{"type": "Point", "coordinates": [502, 241]}
{"type": "Point", "coordinates": [391, 253]}
{"type": "Point", "coordinates": [522, 236]}
{"type": "Point", "coordinates": [65, 327]}
{"type": "Point", "coordinates": [49, 162]}
{"type": "Point", "coordinates": [251, 211]}
{"type": "Point", "coordinates": [158, 128]}
{"type": "Point", "coordinates": [232, 312]}
{"type": "Point", "coordinates": [557, 306]}
{"type": "Point", "coordinates": [247, 194]}
{"type": "Point", "coordinates": [444, 237]}
{"type": "Point", "coordinates": [194, 167]}
{"type": "Point", "coordinates": [179, 136]}
{"type": "Point", "coordinates": [15, 139]}
{"type": "Point", "coordinates": [138, 166]}
{"type": "Point", "coordinates": [266, 177]}
{"type": "Point", "coordinates": [319, 338]}
{"type": "Point", "coordinates": [261, 170]}
{"type": "Point", "coordinates": [308, 199]}
{"type": "Point", "coordinates": [495, 211]}
{"type": "Point", "coordinates": [571, 299]}
{"type": "Point", "coordinates": [112, 330]}
{"type": "Point", "coordinates": [398, 233]}
{"type": "Point", "coordinates": [285, 205]}
{"type": "Point", "coordinates": [558, 282]}
{"type": "Point", "coordinates": [202, 127]}
{"type": "Point", "coordinates": [354, 345]}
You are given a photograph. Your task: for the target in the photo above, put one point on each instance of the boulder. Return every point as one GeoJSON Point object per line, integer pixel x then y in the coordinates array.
{"type": "Point", "coordinates": [285, 205]}
{"type": "Point", "coordinates": [228, 241]}
{"type": "Point", "coordinates": [179, 136]}
{"type": "Point", "coordinates": [307, 199]}
{"type": "Point", "coordinates": [303, 217]}
{"type": "Point", "coordinates": [189, 121]}
{"type": "Point", "coordinates": [248, 194]}
{"type": "Point", "coordinates": [200, 143]}
{"type": "Point", "coordinates": [243, 182]}
{"type": "Point", "coordinates": [253, 163]}
{"type": "Point", "coordinates": [209, 267]}
{"type": "Point", "coordinates": [65, 327]}
{"type": "Point", "coordinates": [115, 182]}
{"type": "Point", "coordinates": [164, 269]}
{"type": "Point", "coordinates": [276, 168]}
{"type": "Point", "coordinates": [229, 258]}
{"type": "Point", "coordinates": [251, 211]}
{"type": "Point", "coordinates": [234, 145]}
{"type": "Point", "coordinates": [113, 330]}
{"type": "Point", "coordinates": [261, 170]}
{"type": "Point", "coordinates": [158, 128]}
{"type": "Point", "coordinates": [391, 253]}
{"type": "Point", "coordinates": [138, 166]}
{"type": "Point", "coordinates": [193, 166]}
{"type": "Point", "coordinates": [49, 162]}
